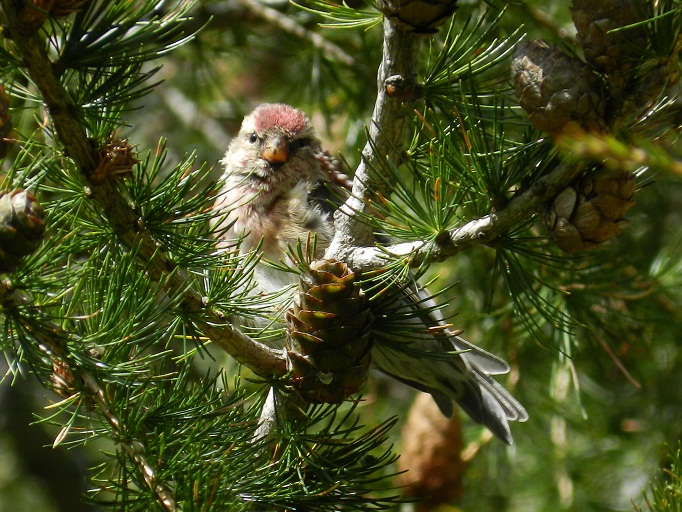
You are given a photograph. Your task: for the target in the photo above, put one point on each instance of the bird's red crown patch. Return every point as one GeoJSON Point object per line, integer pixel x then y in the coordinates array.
{"type": "Point", "coordinates": [278, 114]}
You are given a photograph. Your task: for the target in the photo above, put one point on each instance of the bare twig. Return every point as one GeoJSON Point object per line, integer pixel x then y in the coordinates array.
{"type": "Point", "coordinates": [260, 358]}
{"type": "Point", "coordinates": [542, 19]}
{"type": "Point", "coordinates": [619, 364]}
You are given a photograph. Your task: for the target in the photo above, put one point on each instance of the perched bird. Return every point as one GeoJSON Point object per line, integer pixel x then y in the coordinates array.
{"type": "Point", "coordinates": [279, 187]}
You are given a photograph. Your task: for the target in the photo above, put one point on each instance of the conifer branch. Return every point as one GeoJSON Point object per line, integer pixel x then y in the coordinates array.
{"type": "Point", "coordinates": [134, 449]}
{"type": "Point", "coordinates": [387, 133]}
{"type": "Point", "coordinates": [262, 359]}
{"type": "Point", "coordinates": [62, 110]}
{"type": "Point", "coordinates": [52, 341]}
{"type": "Point", "coordinates": [476, 232]}
{"type": "Point", "coordinates": [289, 25]}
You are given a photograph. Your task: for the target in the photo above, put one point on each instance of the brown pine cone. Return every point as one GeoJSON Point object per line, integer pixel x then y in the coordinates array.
{"type": "Point", "coordinates": [34, 13]}
{"type": "Point", "coordinates": [418, 16]}
{"type": "Point", "coordinates": [591, 211]}
{"type": "Point", "coordinates": [431, 462]}
{"type": "Point", "coordinates": [556, 89]}
{"type": "Point", "coordinates": [115, 159]}
{"type": "Point", "coordinates": [21, 227]}
{"type": "Point", "coordinates": [612, 53]}
{"type": "Point", "coordinates": [63, 8]}
{"type": "Point", "coordinates": [328, 343]}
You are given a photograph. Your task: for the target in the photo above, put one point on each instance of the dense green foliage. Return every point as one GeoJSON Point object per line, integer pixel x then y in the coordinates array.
{"type": "Point", "coordinates": [111, 328]}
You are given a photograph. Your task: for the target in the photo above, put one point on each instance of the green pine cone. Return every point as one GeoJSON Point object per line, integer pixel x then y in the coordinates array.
{"type": "Point", "coordinates": [21, 227]}
{"type": "Point", "coordinates": [328, 343]}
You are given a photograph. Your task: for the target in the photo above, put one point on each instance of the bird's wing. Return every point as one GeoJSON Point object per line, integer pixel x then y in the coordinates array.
{"type": "Point", "coordinates": [333, 186]}
{"type": "Point", "coordinates": [426, 354]}
{"type": "Point", "coordinates": [430, 357]}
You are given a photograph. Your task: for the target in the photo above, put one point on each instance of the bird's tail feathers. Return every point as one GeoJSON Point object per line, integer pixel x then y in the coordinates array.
{"type": "Point", "coordinates": [485, 400]}
{"type": "Point", "coordinates": [480, 359]}
{"type": "Point", "coordinates": [463, 378]}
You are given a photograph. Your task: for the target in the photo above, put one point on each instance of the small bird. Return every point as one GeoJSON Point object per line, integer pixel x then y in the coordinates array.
{"type": "Point", "coordinates": [281, 187]}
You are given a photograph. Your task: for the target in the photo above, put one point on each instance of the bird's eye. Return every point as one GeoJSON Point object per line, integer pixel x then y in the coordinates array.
{"type": "Point", "coordinates": [253, 138]}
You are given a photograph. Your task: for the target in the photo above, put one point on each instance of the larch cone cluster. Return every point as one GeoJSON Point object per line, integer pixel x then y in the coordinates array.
{"type": "Point", "coordinates": [564, 94]}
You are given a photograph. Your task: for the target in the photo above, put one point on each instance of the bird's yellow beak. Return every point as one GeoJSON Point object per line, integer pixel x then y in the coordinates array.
{"type": "Point", "coordinates": [276, 150]}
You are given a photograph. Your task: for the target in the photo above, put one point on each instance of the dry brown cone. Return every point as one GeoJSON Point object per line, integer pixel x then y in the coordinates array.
{"type": "Point", "coordinates": [115, 159]}
{"type": "Point", "coordinates": [63, 8]}
{"type": "Point", "coordinates": [591, 210]}
{"type": "Point", "coordinates": [431, 455]}
{"type": "Point", "coordinates": [418, 16]}
{"type": "Point", "coordinates": [556, 90]}
{"type": "Point", "coordinates": [328, 343]}
{"type": "Point", "coordinates": [612, 53]}
{"type": "Point", "coordinates": [34, 13]}
{"type": "Point", "coordinates": [5, 122]}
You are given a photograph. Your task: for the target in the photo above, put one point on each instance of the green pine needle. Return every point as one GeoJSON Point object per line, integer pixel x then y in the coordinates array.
{"type": "Point", "coordinates": [340, 15]}
{"type": "Point", "coordinates": [666, 492]}
{"type": "Point", "coordinates": [467, 56]}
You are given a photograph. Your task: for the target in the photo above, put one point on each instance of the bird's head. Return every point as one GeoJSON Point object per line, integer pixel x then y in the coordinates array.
{"type": "Point", "coordinates": [274, 149]}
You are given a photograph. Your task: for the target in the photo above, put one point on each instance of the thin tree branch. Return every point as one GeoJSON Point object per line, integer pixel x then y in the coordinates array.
{"type": "Point", "coordinates": [542, 19]}
{"type": "Point", "coordinates": [476, 232]}
{"type": "Point", "coordinates": [287, 24]}
{"type": "Point", "coordinates": [135, 450]}
{"type": "Point", "coordinates": [260, 358]}
{"type": "Point", "coordinates": [354, 239]}
{"type": "Point", "coordinates": [52, 340]}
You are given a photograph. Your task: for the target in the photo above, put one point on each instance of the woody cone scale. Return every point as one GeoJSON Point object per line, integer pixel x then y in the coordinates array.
{"type": "Point", "coordinates": [328, 342]}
